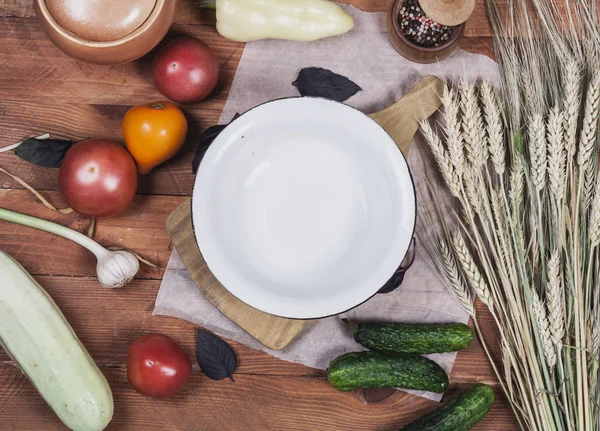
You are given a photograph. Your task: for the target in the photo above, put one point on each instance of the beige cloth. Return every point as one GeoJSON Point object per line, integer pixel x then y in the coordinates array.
{"type": "Point", "coordinates": [266, 72]}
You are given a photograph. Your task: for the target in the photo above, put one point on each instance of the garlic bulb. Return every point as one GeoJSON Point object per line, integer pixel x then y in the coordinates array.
{"type": "Point", "coordinates": [114, 268]}
{"type": "Point", "coordinates": [117, 268]}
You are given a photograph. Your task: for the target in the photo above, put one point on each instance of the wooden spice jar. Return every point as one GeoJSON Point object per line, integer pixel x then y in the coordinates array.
{"type": "Point", "coordinates": [428, 30]}
{"type": "Point", "coordinates": [107, 31]}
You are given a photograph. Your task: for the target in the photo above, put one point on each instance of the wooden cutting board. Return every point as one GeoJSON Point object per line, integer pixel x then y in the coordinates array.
{"type": "Point", "coordinates": [400, 120]}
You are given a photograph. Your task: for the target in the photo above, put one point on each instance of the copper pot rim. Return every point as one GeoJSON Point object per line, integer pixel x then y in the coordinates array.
{"type": "Point", "coordinates": [457, 31]}
{"type": "Point", "coordinates": [152, 18]}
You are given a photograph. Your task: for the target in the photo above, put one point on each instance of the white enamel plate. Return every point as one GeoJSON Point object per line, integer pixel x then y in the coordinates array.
{"type": "Point", "coordinates": [303, 207]}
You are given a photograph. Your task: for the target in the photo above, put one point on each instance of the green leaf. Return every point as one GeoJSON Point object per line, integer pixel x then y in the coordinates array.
{"type": "Point", "coordinates": [518, 142]}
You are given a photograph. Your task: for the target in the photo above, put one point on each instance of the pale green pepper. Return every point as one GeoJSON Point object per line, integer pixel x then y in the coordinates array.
{"type": "Point", "coordinates": [300, 20]}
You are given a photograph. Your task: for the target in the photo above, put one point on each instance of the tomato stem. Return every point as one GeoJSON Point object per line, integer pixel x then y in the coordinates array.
{"type": "Point", "coordinates": [207, 4]}
{"type": "Point", "coordinates": [157, 105]}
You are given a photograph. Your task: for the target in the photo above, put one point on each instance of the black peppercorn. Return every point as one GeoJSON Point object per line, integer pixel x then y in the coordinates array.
{"type": "Point", "coordinates": [419, 29]}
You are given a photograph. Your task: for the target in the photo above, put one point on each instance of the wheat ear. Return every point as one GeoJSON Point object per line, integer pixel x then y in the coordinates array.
{"type": "Point", "coordinates": [556, 153]}
{"type": "Point", "coordinates": [517, 176]}
{"type": "Point", "coordinates": [587, 139]}
{"type": "Point", "coordinates": [495, 128]}
{"type": "Point", "coordinates": [554, 295]}
{"type": "Point", "coordinates": [594, 221]}
{"type": "Point", "coordinates": [543, 327]}
{"type": "Point", "coordinates": [456, 282]}
{"type": "Point", "coordinates": [572, 101]}
{"type": "Point", "coordinates": [454, 136]}
{"type": "Point", "coordinates": [538, 151]}
{"type": "Point", "coordinates": [471, 270]}
{"type": "Point", "coordinates": [441, 157]}
{"type": "Point", "coordinates": [528, 89]}
{"type": "Point", "coordinates": [473, 192]}
{"type": "Point", "coordinates": [596, 340]}
{"type": "Point", "coordinates": [473, 128]}
{"type": "Point", "coordinates": [590, 122]}
{"type": "Point", "coordinates": [589, 182]}
{"type": "Point", "coordinates": [499, 220]}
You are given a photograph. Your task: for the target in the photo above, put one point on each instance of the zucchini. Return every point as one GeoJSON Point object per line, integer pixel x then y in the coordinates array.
{"type": "Point", "coordinates": [461, 413]}
{"type": "Point", "coordinates": [418, 339]}
{"type": "Point", "coordinates": [36, 335]}
{"type": "Point", "coordinates": [386, 370]}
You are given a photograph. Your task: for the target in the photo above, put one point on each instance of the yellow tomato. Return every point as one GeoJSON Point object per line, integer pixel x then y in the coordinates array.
{"type": "Point", "coordinates": [154, 133]}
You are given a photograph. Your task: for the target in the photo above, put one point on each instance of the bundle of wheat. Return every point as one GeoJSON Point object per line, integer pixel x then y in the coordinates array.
{"type": "Point", "coordinates": [522, 166]}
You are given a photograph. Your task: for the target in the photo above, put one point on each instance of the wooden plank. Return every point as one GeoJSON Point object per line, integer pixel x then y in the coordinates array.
{"type": "Point", "coordinates": [253, 402]}
{"type": "Point", "coordinates": [107, 321]}
{"type": "Point", "coordinates": [53, 77]}
{"type": "Point", "coordinates": [140, 228]}
{"type": "Point", "coordinates": [188, 13]}
{"type": "Point", "coordinates": [77, 121]}
{"type": "Point", "coordinates": [35, 70]}
{"type": "Point", "coordinates": [268, 392]}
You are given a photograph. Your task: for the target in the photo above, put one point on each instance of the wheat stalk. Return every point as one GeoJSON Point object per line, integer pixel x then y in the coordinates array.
{"type": "Point", "coordinates": [556, 153]}
{"type": "Point", "coordinates": [473, 128]}
{"type": "Point", "coordinates": [507, 365]}
{"type": "Point", "coordinates": [538, 150]}
{"type": "Point", "coordinates": [452, 130]}
{"type": "Point", "coordinates": [554, 295]}
{"type": "Point", "coordinates": [471, 270]}
{"type": "Point", "coordinates": [495, 129]}
{"type": "Point", "coordinates": [441, 157]}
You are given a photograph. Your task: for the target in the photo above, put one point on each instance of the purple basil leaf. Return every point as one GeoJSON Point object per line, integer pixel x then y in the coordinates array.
{"type": "Point", "coordinates": [215, 357]}
{"type": "Point", "coordinates": [47, 153]}
{"type": "Point", "coordinates": [319, 82]}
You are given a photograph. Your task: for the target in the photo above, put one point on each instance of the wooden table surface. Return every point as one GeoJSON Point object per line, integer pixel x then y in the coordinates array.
{"type": "Point", "coordinates": [42, 90]}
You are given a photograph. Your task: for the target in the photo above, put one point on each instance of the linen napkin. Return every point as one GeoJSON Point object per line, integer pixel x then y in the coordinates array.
{"type": "Point", "coordinates": [266, 72]}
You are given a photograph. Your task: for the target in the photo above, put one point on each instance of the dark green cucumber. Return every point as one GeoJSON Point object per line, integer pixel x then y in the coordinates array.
{"type": "Point", "coordinates": [386, 370]}
{"type": "Point", "coordinates": [418, 339]}
{"type": "Point", "coordinates": [461, 413]}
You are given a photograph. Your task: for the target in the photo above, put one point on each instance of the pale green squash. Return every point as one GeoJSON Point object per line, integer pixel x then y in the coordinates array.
{"type": "Point", "coordinates": [35, 333]}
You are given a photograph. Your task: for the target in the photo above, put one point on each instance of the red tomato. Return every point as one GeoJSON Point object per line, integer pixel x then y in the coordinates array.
{"type": "Point", "coordinates": [97, 178]}
{"type": "Point", "coordinates": [157, 366]}
{"type": "Point", "coordinates": [185, 70]}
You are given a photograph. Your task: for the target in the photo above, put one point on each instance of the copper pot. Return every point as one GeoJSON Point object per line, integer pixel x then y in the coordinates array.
{"type": "Point", "coordinates": [105, 32]}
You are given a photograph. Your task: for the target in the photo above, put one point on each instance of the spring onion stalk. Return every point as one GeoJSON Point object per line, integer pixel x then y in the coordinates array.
{"type": "Point", "coordinates": [114, 268]}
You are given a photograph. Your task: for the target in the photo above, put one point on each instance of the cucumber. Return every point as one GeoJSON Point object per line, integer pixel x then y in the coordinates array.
{"type": "Point", "coordinates": [386, 370]}
{"type": "Point", "coordinates": [418, 339]}
{"type": "Point", "coordinates": [461, 413]}
{"type": "Point", "coordinates": [36, 335]}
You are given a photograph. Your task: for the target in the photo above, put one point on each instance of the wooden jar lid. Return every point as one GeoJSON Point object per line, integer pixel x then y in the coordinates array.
{"type": "Point", "coordinates": [100, 20]}
{"type": "Point", "coordinates": [448, 12]}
